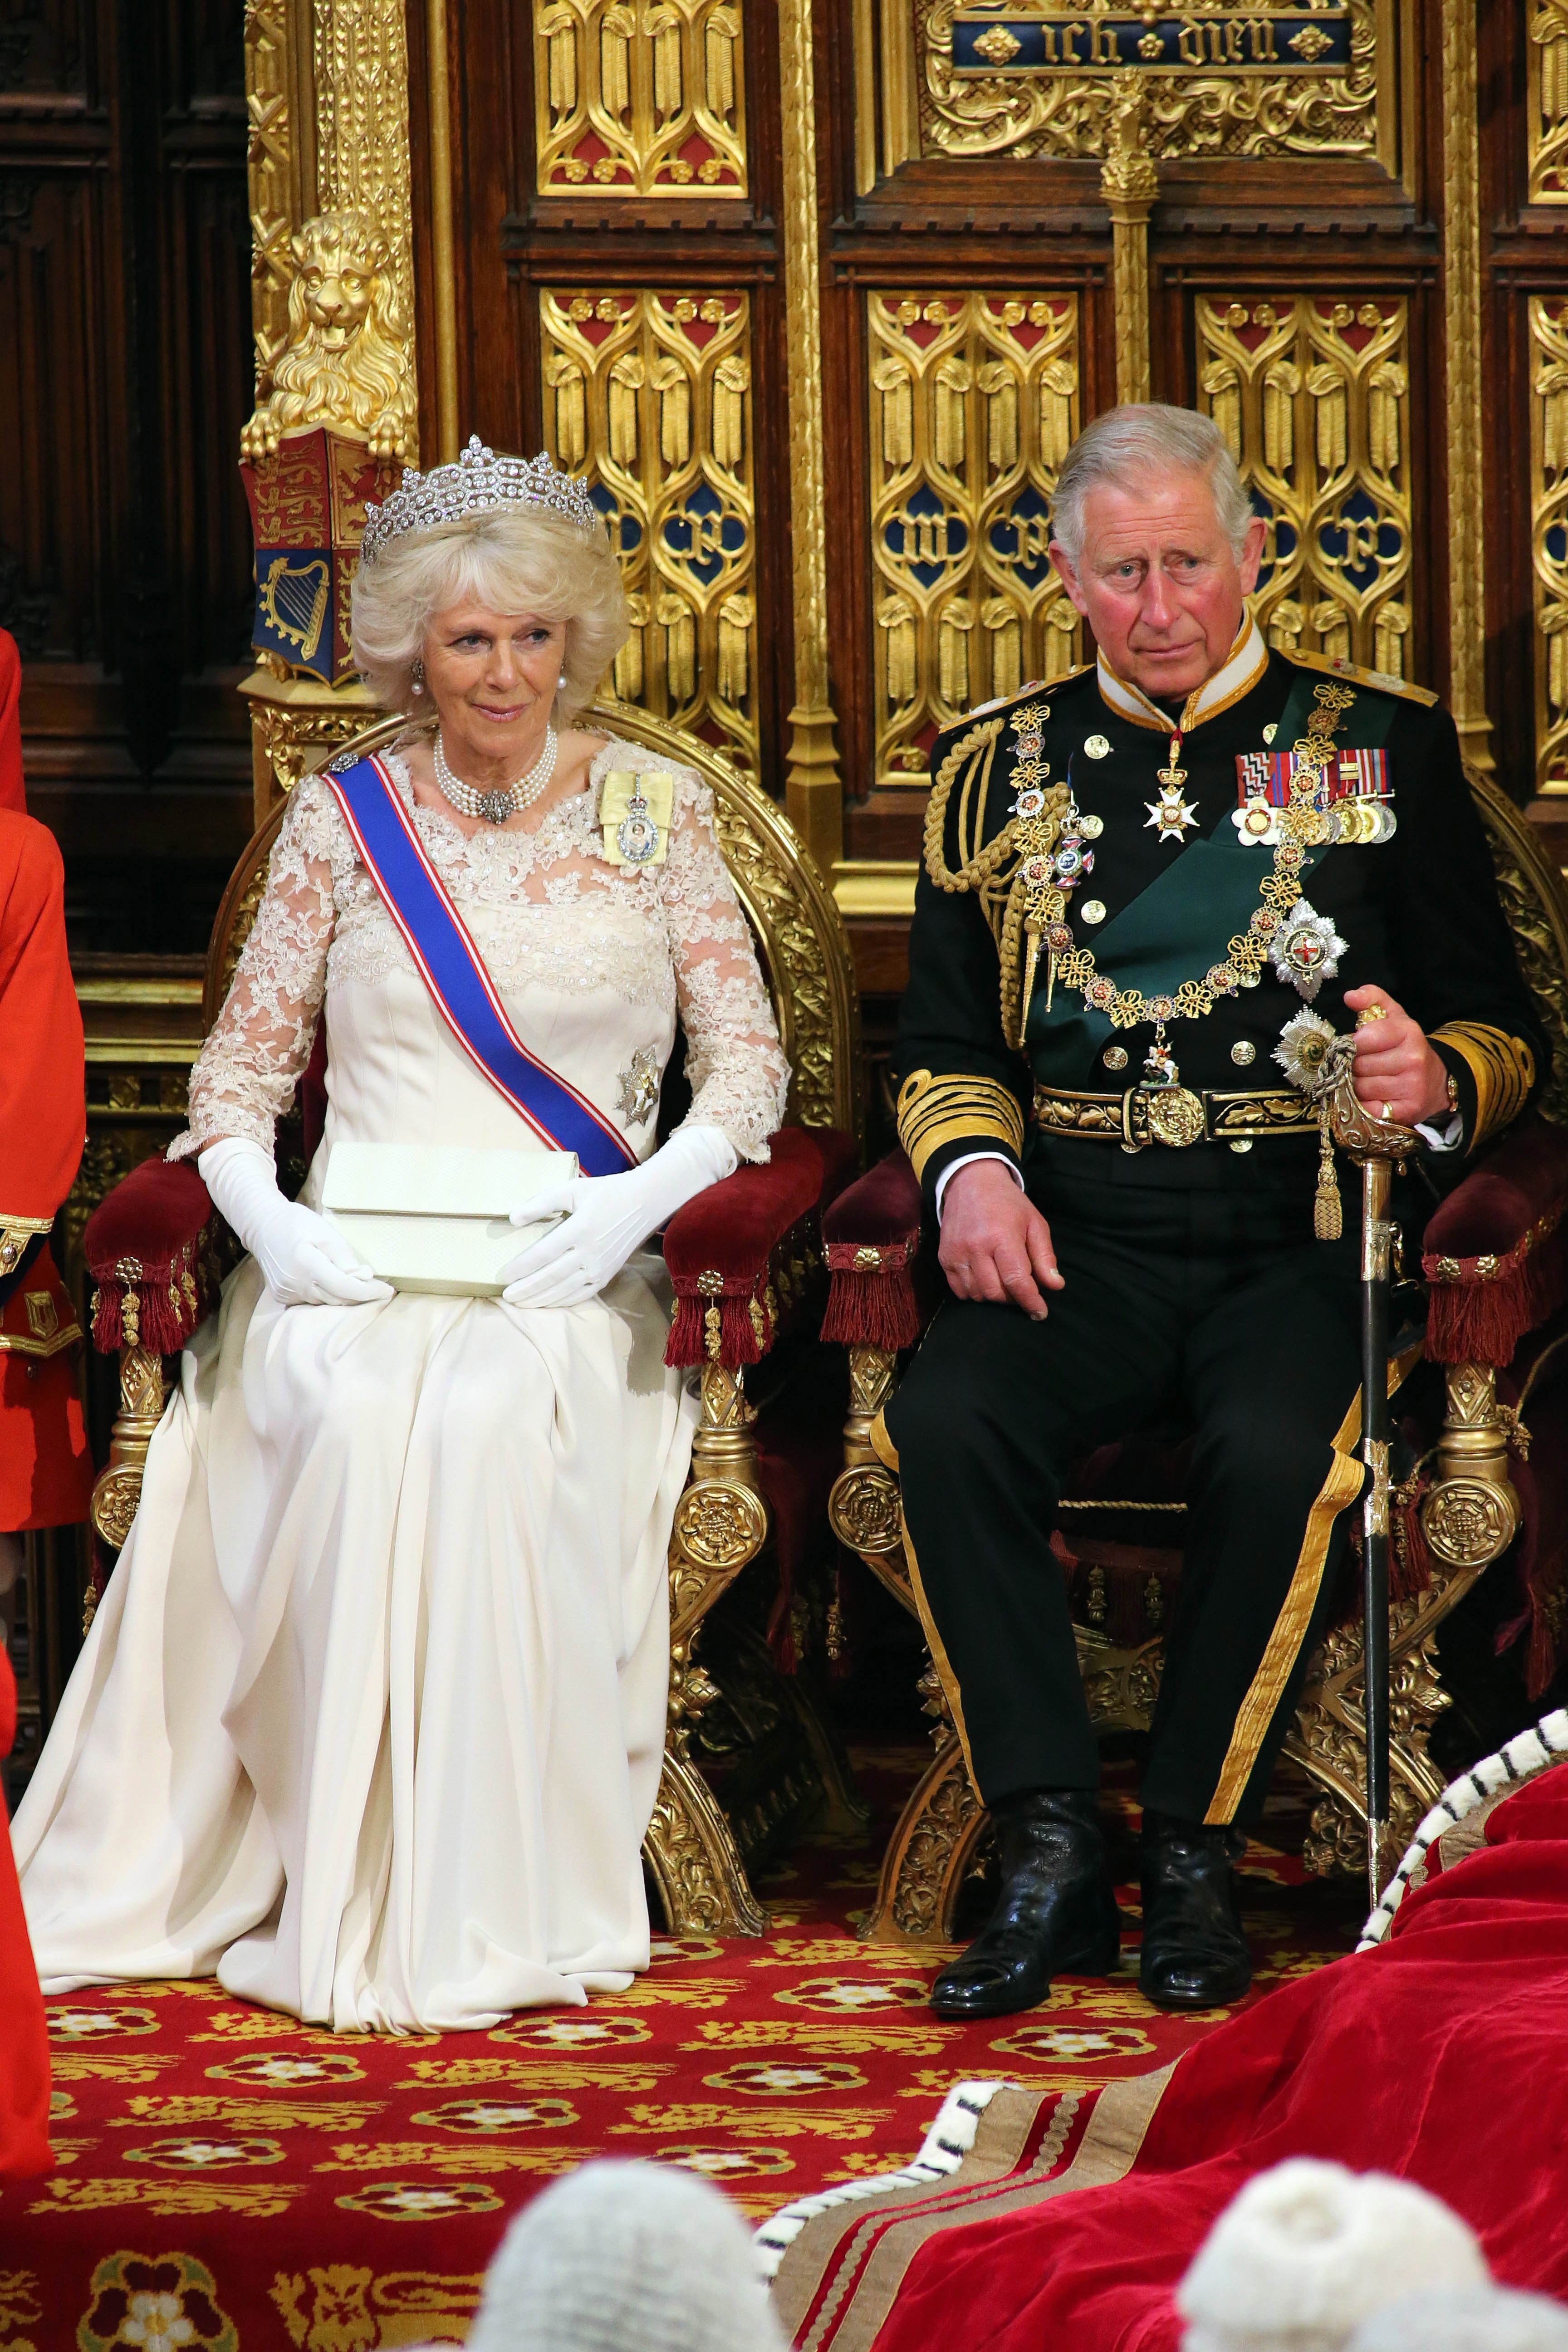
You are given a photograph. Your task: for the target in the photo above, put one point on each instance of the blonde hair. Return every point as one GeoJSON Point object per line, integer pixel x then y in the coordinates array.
{"type": "Point", "coordinates": [515, 559]}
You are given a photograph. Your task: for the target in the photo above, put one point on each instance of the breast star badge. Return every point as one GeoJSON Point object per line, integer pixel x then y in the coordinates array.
{"type": "Point", "coordinates": [1170, 816]}
{"type": "Point", "coordinates": [1306, 948]}
{"type": "Point", "coordinates": [639, 1086]}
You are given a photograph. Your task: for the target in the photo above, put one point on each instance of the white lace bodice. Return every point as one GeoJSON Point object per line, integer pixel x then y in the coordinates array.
{"type": "Point", "coordinates": [553, 919]}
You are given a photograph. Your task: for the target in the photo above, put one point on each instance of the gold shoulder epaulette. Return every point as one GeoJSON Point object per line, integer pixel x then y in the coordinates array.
{"type": "Point", "coordinates": [1035, 686]}
{"type": "Point", "coordinates": [1382, 680]}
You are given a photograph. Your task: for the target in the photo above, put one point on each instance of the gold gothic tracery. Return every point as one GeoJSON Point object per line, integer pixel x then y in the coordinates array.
{"type": "Point", "coordinates": [974, 403]}
{"type": "Point", "coordinates": [1313, 397]}
{"type": "Point", "coordinates": [1549, 535]}
{"type": "Point", "coordinates": [1232, 108]}
{"type": "Point", "coordinates": [649, 395]}
{"type": "Point", "coordinates": [639, 96]}
{"type": "Point", "coordinates": [1548, 102]}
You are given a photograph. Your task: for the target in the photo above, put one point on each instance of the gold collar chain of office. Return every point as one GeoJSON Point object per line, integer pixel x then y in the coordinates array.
{"type": "Point", "coordinates": [1301, 826]}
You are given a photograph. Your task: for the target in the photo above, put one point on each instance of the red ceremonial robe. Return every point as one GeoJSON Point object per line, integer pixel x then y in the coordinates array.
{"type": "Point", "coordinates": [1441, 2057]}
{"type": "Point", "coordinates": [24, 2038]}
{"type": "Point", "coordinates": [45, 1471]}
{"type": "Point", "coordinates": [13, 791]}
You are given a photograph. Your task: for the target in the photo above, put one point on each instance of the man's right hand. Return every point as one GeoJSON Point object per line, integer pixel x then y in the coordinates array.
{"type": "Point", "coordinates": [994, 1243]}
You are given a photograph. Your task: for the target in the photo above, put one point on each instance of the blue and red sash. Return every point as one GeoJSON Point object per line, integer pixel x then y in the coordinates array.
{"type": "Point", "coordinates": [453, 971]}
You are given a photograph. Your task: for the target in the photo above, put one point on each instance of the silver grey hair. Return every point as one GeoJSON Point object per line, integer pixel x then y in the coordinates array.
{"type": "Point", "coordinates": [1146, 438]}
{"type": "Point", "coordinates": [515, 559]}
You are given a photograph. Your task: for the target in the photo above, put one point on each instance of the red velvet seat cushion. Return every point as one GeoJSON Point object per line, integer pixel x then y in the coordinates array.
{"type": "Point", "coordinates": [1495, 1255]}
{"type": "Point", "coordinates": [143, 1243]}
{"type": "Point", "coordinates": [1504, 1198]}
{"type": "Point", "coordinates": [722, 1247]}
{"type": "Point", "coordinates": [872, 1236]}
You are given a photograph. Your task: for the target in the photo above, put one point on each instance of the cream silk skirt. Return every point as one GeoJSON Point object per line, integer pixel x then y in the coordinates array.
{"type": "Point", "coordinates": [371, 1718]}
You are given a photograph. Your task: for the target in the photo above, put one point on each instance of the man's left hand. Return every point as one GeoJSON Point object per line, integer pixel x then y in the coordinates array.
{"type": "Point", "coordinates": [1397, 1074]}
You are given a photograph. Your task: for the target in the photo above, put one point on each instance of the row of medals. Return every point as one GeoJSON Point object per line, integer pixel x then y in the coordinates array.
{"type": "Point", "coordinates": [1070, 861]}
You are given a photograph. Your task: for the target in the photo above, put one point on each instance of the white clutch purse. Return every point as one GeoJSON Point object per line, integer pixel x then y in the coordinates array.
{"type": "Point", "coordinates": [434, 1217]}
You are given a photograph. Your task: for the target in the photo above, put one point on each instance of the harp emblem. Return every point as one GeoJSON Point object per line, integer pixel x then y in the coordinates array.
{"type": "Point", "coordinates": [293, 599]}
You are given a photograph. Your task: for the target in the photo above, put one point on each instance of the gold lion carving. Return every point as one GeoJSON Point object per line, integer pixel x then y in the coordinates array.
{"type": "Point", "coordinates": [346, 363]}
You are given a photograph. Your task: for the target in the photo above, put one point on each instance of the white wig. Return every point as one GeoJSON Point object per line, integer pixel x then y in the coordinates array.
{"type": "Point", "coordinates": [1487, 2319]}
{"type": "Point", "coordinates": [623, 2255]}
{"type": "Point", "coordinates": [1141, 439]}
{"type": "Point", "coordinates": [1308, 2251]}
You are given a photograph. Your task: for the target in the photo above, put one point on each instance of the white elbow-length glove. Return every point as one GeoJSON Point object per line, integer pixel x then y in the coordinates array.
{"type": "Point", "coordinates": [607, 1217]}
{"type": "Point", "coordinates": [305, 1260]}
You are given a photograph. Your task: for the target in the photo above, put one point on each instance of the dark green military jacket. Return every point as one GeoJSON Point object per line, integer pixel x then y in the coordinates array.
{"type": "Point", "coordinates": [1416, 911]}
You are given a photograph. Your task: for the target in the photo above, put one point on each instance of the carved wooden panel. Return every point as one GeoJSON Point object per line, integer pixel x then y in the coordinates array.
{"type": "Point", "coordinates": [649, 395]}
{"type": "Point", "coordinates": [47, 49]}
{"type": "Point", "coordinates": [639, 96]}
{"type": "Point", "coordinates": [1313, 397]}
{"type": "Point", "coordinates": [52, 539]}
{"type": "Point", "coordinates": [124, 375]}
{"type": "Point", "coordinates": [973, 401]}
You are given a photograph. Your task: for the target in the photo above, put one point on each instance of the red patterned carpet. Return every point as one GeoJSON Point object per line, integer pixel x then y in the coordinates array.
{"type": "Point", "coordinates": [229, 2182]}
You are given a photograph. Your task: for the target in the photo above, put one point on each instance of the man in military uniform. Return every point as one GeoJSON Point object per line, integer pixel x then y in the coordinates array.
{"type": "Point", "coordinates": [1136, 879]}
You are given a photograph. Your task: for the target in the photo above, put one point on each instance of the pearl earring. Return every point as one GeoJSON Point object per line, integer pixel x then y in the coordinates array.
{"type": "Point", "coordinates": [418, 677]}
{"type": "Point", "coordinates": [561, 682]}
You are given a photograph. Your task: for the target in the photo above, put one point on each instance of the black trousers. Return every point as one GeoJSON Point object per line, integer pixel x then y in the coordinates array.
{"type": "Point", "coordinates": [1213, 1306]}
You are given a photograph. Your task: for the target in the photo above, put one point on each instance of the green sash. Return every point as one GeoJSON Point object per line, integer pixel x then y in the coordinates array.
{"type": "Point", "coordinates": [1179, 926]}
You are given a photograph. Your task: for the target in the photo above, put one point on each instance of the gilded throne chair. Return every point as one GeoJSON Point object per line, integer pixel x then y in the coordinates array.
{"type": "Point", "coordinates": [1479, 1499]}
{"type": "Point", "coordinates": [745, 1259]}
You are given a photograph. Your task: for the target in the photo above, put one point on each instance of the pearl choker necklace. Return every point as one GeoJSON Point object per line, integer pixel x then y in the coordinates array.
{"type": "Point", "coordinates": [494, 808]}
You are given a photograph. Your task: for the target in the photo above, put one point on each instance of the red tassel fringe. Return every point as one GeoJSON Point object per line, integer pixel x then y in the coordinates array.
{"type": "Point", "coordinates": [1481, 1318]}
{"type": "Point", "coordinates": [873, 1310]}
{"type": "Point", "coordinates": [685, 1345]}
{"type": "Point", "coordinates": [168, 1309]}
{"type": "Point", "coordinates": [872, 1305]}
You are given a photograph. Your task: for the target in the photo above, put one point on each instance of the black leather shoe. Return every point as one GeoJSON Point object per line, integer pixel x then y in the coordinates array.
{"type": "Point", "coordinates": [1055, 1916]}
{"type": "Point", "coordinates": [1194, 1953]}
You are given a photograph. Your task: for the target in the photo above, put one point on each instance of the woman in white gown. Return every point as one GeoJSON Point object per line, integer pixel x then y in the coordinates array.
{"type": "Point", "coordinates": [371, 1718]}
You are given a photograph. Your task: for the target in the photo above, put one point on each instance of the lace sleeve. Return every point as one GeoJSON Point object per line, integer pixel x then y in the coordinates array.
{"type": "Point", "coordinates": [737, 1067]}
{"type": "Point", "coordinates": [245, 1073]}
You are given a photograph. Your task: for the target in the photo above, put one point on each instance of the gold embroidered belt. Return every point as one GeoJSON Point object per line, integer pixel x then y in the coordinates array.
{"type": "Point", "coordinates": [1173, 1115]}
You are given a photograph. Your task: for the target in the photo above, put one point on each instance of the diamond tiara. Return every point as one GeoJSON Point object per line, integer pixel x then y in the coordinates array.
{"type": "Point", "coordinates": [478, 483]}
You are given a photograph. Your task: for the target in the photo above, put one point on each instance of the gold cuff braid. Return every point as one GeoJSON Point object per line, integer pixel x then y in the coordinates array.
{"type": "Point", "coordinates": [16, 1232]}
{"type": "Point", "coordinates": [957, 1110]}
{"type": "Point", "coordinates": [1503, 1069]}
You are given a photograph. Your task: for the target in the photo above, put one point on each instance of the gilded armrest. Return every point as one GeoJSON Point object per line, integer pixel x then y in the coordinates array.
{"type": "Point", "coordinates": [872, 1235]}
{"type": "Point", "coordinates": [150, 1251]}
{"type": "Point", "coordinates": [744, 1258]}
{"type": "Point", "coordinates": [1495, 1260]}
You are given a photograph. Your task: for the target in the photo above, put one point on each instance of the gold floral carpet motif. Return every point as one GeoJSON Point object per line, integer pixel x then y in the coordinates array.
{"type": "Point", "coordinates": [229, 2180]}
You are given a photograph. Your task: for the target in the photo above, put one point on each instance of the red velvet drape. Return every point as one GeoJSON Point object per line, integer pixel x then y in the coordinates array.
{"type": "Point", "coordinates": [1442, 2058]}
